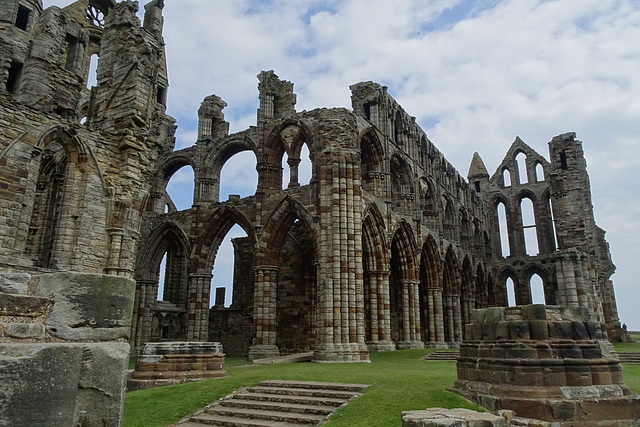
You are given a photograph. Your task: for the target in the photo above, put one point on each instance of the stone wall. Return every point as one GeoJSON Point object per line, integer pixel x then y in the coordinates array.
{"type": "Point", "coordinates": [76, 166]}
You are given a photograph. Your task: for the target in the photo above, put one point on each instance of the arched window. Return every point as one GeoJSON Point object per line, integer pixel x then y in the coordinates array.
{"type": "Point", "coordinates": [504, 231]}
{"type": "Point", "coordinates": [92, 77]}
{"type": "Point", "coordinates": [239, 176]}
{"type": "Point", "coordinates": [224, 267]}
{"type": "Point", "coordinates": [529, 226]}
{"type": "Point", "coordinates": [163, 272]}
{"type": "Point", "coordinates": [180, 188]}
{"type": "Point", "coordinates": [521, 160]}
{"type": "Point", "coordinates": [296, 172]}
{"type": "Point", "coordinates": [47, 207]}
{"type": "Point", "coordinates": [539, 172]}
{"type": "Point", "coordinates": [506, 177]}
{"type": "Point", "coordinates": [537, 289]}
{"type": "Point", "coordinates": [553, 225]}
{"type": "Point", "coordinates": [511, 292]}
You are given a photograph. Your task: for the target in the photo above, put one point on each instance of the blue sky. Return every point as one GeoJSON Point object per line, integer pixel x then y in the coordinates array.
{"type": "Point", "coordinates": [476, 74]}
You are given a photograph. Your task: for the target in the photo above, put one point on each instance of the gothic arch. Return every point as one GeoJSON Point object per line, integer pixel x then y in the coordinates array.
{"type": "Point", "coordinates": [277, 227]}
{"type": "Point", "coordinates": [431, 305]}
{"type": "Point", "coordinates": [520, 296]}
{"type": "Point", "coordinates": [451, 296]}
{"type": "Point", "coordinates": [375, 243]}
{"type": "Point", "coordinates": [467, 290]}
{"type": "Point", "coordinates": [214, 230]}
{"type": "Point", "coordinates": [372, 154]}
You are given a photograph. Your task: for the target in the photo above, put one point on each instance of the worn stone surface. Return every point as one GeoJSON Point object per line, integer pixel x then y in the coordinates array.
{"type": "Point", "coordinates": [88, 306]}
{"type": "Point", "coordinates": [14, 283]}
{"type": "Point", "coordinates": [458, 417]}
{"type": "Point", "coordinates": [43, 373]}
{"type": "Point", "coordinates": [562, 376]}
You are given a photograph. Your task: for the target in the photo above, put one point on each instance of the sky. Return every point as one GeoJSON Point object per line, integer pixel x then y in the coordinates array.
{"type": "Point", "coordinates": [475, 74]}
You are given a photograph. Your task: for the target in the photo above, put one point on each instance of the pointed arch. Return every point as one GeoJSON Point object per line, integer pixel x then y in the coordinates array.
{"type": "Point", "coordinates": [372, 154]}
{"type": "Point", "coordinates": [451, 296]}
{"type": "Point", "coordinates": [467, 290]}
{"type": "Point", "coordinates": [375, 243]}
{"type": "Point", "coordinates": [277, 227]}
{"type": "Point", "coordinates": [431, 308]}
{"type": "Point", "coordinates": [214, 229]}
{"type": "Point", "coordinates": [404, 246]}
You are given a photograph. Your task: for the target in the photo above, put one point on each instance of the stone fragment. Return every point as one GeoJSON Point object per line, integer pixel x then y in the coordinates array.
{"type": "Point", "coordinates": [14, 283]}
{"type": "Point", "coordinates": [25, 330]}
{"type": "Point", "coordinates": [88, 306]}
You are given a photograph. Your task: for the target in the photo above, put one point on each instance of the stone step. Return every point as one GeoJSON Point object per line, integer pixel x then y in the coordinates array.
{"type": "Point", "coordinates": [443, 355]}
{"type": "Point", "coordinates": [289, 417]}
{"type": "Point", "coordinates": [277, 403]}
{"type": "Point", "coordinates": [628, 357]}
{"type": "Point", "coordinates": [260, 405]}
{"type": "Point", "coordinates": [289, 358]}
{"type": "Point", "coordinates": [316, 385]}
{"type": "Point", "coordinates": [333, 394]}
{"type": "Point", "coordinates": [236, 422]}
{"type": "Point", "coordinates": [305, 400]}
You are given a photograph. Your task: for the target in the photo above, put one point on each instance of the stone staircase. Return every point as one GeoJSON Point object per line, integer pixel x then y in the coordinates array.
{"type": "Point", "coordinates": [629, 358]}
{"type": "Point", "coordinates": [443, 355]}
{"type": "Point", "coordinates": [276, 404]}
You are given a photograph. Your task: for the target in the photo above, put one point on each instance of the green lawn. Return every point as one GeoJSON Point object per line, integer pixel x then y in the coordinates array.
{"type": "Point", "coordinates": [399, 381]}
{"type": "Point", "coordinates": [627, 346]}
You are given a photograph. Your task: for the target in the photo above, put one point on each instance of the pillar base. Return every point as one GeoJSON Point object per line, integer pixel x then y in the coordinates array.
{"type": "Point", "coordinates": [377, 346]}
{"type": "Point", "coordinates": [436, 344]}
{"type": "Point", "coordinates": [406, 345]}
{"type": "Point", "coordinates": [341, 353]}
{"type": "Point", "coordinates": [263, 351]}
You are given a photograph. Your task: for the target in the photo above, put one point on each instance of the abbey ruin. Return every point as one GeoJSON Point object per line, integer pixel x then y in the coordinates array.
{"type": "Point", "coordinates": [387, 247]}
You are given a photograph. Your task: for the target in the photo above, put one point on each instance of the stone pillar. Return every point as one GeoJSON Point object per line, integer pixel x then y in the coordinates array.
{"type": "Point", "coordinates": [293, 172]}
{"type": "Point", "coordinates": [264, 313]}
{"type": "Point", "coordinates": [410, 316]}
{"type": "Point", "coordinates": [380, 315]}
{"type": "Point", "coordinates": [116, 235]}
{"type": "Point", "coordinates": [565, 271]}
{"type": "Point", "coordinates": [198, 307]}
{"type": "Point", "coordinates": [341, 337]}
{"type": "Point", "coordinates": [435, 318]}
{"type": "Point", "coordinates": [145, 298]}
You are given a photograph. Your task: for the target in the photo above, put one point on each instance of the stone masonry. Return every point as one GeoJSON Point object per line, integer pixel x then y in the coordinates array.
{"type": "Point", "coordinates": [387, 247]}
{"type": "Point", "coordinates": [75, 170]}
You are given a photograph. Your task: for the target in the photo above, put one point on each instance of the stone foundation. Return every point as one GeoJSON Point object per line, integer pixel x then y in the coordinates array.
{"type": "Point", "coordinates": [458, 417]}
{"type": "Point", "coordinates": [170, 363]}
{"type": "Point", "coordinates": [544, 362]}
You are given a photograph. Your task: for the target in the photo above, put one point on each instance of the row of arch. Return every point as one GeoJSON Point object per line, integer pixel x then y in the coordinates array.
{"type": "Point", "coordinates": [412, 294]}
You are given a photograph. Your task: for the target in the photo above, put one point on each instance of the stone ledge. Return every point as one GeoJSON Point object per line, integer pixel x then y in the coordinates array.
{"type": "Point", "coordinates": [24, 305]}
{"type": "Point", "coordinates": [458, 417]}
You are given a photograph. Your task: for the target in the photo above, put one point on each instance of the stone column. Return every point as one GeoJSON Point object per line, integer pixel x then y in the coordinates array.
{"type": "Point", "coordinates": [145, 298]}
{"type": "Point", "coordinates": [293, 172]}
{"type": "Point", "coordinates": [198, 307]}
{"type": "Point", "coordinates": [565, 271]}
{"type": "Point", "coordinates": [341, 283]}
{"type": "Point", "coordinates": [116, 235]}
{"type": "Point", "coordinates": [435, 318]}
{"type": "Point", "coordinates": [264, 313]}
{"type": "Point", "coordinates": [410, 316]}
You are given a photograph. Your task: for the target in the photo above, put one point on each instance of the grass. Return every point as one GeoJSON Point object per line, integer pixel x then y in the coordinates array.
{"type": "Point", "coordinates": [399, 381]}
{"type": "Point", "coordinates": [627, 346]}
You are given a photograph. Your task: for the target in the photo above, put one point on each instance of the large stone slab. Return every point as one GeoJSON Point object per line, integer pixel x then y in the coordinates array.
{"type": "Point", "coordinates": [39, 384]}
{"type": "Point", "coordinates": [62, 384]}
{"type": "Point", "coordinates": [458, 417]}
{"type": "Point", "coordinates": [88, 307]}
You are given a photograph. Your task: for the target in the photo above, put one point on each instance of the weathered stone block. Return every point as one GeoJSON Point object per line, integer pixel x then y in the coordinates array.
{"type": "Point", "coordinates": [494, 314]}
{"type": "Point", "coordinates": [539, 330]}
{"type": "Point", "coordinates": [503, 330]}
{"type": "Point", "coordinates": [458, 417]}
{"type": "Point", "coordinates": [14, 283]}
{"type": "Point", "coordinates": [44, 373]}
{"type": "Point", "coordinates": [88, 306]}
{"type": "Point", "coordinates": [101, 385]}
{"type": "Point", "coordinates": [534, 312]}
{"type": "Point", "coordinates": [519, 330]}
{"type": "Point", "coordinates": [23, 305]}
{"type": "Point", "coordinates": [25, 330]}
{"type": "Point", "coordinates": [560, 330]}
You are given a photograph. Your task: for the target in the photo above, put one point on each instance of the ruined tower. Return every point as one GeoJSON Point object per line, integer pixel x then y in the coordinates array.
{"type": "Point", "coordinates": [76, 161]}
